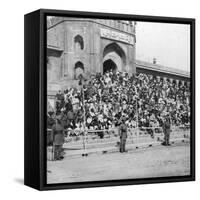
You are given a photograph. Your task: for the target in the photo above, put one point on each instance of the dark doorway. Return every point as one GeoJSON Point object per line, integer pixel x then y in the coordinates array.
{"type": "Point", "coordinates": [109, 65]}
{"type": "Point", "coordinates": [78, 70]}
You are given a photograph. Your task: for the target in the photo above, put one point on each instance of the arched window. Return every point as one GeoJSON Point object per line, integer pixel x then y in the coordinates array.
{"type": "Point", "coordinates": [78, 70]}
{"type": "Point", "coordinates": [78, 43]}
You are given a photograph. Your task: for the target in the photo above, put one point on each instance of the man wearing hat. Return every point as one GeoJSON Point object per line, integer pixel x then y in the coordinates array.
{"type": "Point", "coordinates": [58, 138]}
{"type": "Point", "coordinates": [166, 129]}
{"type": "Point", "coordinates": [123, 135]}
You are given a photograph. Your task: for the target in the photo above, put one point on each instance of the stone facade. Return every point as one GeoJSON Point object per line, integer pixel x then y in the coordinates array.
{"type": "Point", "coordinates": [87, 46]}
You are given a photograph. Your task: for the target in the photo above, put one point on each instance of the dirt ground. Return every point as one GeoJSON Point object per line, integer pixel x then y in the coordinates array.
{"type": "Point", "coordinates": [159, 161]}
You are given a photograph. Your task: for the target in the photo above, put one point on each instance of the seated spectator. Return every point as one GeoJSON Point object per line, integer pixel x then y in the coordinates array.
{"type": "Point", "coordinates": [109, 97]}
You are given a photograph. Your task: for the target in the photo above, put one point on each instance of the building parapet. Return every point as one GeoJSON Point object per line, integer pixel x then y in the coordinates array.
{"type": "Point", "coordinates": [120, 25]}
{"type": "Point", "coordinates": [161, 68]}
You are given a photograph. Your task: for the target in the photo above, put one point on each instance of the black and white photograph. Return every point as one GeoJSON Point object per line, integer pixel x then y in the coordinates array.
{"type": "Point", "coordinates": [118, 99]}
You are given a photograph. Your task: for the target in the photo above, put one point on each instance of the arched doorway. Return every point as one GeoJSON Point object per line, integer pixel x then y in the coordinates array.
{"type": "Point", "coordinates": [113, 58]}
{"type": "Point", "coordinates": [109, 65]}
{"type": "Point", "coordinates": [78, 69]}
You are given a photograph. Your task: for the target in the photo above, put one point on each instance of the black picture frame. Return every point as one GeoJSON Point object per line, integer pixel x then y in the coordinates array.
{"type": "Point", "coordinates": [36, 90]}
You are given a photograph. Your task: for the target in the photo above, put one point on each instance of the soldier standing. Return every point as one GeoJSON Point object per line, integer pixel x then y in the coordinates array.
{"type": "Point", "coordinates": [166, 129]}
{"type": "Point", "coordinates": [58, 138]}
{"type": "Point", "coordinates": [123, 136]}
{"type": "Point", "coordinates": [50, 123]}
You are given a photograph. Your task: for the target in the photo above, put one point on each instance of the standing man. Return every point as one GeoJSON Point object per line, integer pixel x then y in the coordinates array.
{"type": "Point", "coordinates": [58, 138]}
{"type": "Point", "coordinates": [50, 123]}
{"type": "Point", "coordinates": [166, 129]}
{"type": "Point", "coordinates": [123, 136]}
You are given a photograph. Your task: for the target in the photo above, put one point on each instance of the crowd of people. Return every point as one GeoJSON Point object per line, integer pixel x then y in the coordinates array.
{"type": "Point", "coordinates": [101, 102]}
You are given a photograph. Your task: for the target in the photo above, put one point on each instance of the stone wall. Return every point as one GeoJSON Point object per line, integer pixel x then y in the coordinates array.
{"type": "Point", "coordinates": [78, 42]}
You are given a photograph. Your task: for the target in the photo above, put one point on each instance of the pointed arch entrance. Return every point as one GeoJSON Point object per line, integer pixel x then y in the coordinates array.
{"type": "Point", "coordinates": [114, 58]}
{"type": "Point", "coordinates": [78, 69]}
{"type": "Point", "coordinates": [109, 65]}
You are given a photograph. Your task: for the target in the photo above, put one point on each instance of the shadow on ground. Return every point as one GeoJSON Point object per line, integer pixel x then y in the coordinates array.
{"type": "Point", "coordinates": [19, 181]}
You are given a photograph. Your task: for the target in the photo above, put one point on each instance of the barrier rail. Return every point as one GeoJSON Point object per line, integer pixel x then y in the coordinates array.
{"type": "Point", "coordinates": [91, 139]}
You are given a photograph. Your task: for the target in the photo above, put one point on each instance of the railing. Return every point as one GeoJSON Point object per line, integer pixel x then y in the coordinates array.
{"type": "Point", "coordinates": [103, 139]}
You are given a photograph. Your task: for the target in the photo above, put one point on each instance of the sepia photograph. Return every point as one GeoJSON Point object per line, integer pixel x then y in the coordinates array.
{"type": "Point", "coordinates": [118, 99]}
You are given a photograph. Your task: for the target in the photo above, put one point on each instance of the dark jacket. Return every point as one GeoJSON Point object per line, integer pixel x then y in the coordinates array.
{"type": "Point", "coordinates": [167, 125]}
{"type": "Point", "coordinates": [58, 134]}
{"type": "Point", "coordinates": [123, 132]}
{"type": "Point", "coordinates": [50, 122]}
